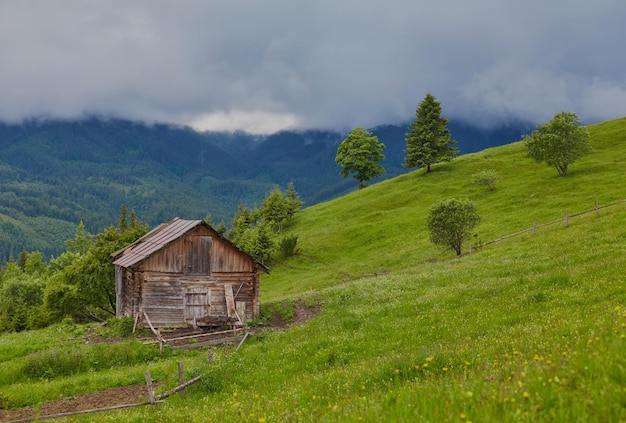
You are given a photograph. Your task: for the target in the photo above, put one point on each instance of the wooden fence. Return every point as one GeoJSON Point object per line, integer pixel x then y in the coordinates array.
{"type": "Point", "coordinates": [535, 227]}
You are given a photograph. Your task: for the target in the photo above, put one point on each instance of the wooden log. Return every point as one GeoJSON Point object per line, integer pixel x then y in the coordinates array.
{"type": "Point", "coordinates": [156, 332]}
{"type": "Point", "coordinates": [178, 388]}
{"type": "Point", "coordinates": [90, 411]}
{"type": "Point", "coordinates": [241, 343]}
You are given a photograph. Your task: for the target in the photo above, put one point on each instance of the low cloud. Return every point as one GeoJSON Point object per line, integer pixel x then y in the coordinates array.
{"type": "Point", "coordinates": [276, 64]}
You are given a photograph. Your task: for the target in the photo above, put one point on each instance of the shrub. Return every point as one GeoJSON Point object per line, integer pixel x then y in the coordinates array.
{"type": "Point", "coordinates": [287, 246]}
{"type": "Point", "coordinates": [488, 178]}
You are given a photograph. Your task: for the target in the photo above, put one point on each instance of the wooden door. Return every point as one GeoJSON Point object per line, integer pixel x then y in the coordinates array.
{"type": "Point", "coordinates": [197, 303]}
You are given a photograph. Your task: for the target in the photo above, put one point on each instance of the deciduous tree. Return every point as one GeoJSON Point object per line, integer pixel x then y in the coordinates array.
{"type": "Point", "coordinates": [559, 142]}
{"type": "Point", "coordinates": [450, 223]}
{"type": "Point", "coordinates": [359, 154]}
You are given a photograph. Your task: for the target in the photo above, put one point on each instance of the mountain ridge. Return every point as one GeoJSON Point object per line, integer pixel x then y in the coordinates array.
{"type": "Point", "coordinates": [54, 174]}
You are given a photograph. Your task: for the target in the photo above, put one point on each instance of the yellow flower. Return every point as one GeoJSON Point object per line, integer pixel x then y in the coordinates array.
{"type": "Point", "coordinates": [397, 371]}
{"type": "Point", "coordinates": [526, 394]}
{"type": "Point", "coordinates": [445, 369]}
{"type": "Point", "coordinates": [235, 394]}
{"type": "Point", "coordinates": [429, 359]}
{"type": "Point", "coordinates": [261, 420]}
{"type": "Point", "coordinates": [462, 416]}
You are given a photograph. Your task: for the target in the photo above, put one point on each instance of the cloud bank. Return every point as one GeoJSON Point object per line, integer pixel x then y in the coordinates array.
{"type": "Point", "coordinates": [279, 64]}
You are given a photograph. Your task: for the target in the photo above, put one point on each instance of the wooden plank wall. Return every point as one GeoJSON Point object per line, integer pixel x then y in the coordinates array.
{"type": "Point", "coordinates": [199, 260]}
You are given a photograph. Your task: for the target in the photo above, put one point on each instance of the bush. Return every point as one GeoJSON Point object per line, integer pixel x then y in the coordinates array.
{"type": "Point", "coordinates": [287, 246]}
{"type": "Point", "coordinates": [488, 178]}
{"type": "Point", "coordinates": [450, 222]}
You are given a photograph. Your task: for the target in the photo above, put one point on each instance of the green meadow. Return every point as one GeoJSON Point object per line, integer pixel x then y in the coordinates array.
{"type": "Point", "coordinates": [528, 329]}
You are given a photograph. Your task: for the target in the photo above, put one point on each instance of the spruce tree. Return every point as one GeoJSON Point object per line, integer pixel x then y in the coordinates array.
{"type": "Point", "coordinates": [428, 140]}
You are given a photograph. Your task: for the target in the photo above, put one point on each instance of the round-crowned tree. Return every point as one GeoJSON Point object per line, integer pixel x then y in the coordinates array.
{"type": "Point", "coordinates": [450, 223]}
{"type": "Point", "coordinates": [359, 154]}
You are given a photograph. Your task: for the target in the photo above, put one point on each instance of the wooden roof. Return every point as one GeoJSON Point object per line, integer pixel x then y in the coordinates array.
{"type": "Point", "coordinates": [160, 237]}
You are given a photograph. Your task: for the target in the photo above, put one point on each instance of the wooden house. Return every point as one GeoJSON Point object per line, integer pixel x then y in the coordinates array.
{"type": "Point", "coordinates": [184, 274]}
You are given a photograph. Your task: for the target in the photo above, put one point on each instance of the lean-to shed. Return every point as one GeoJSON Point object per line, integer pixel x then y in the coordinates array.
{"type": "Point", "coordinates": [184, 274]}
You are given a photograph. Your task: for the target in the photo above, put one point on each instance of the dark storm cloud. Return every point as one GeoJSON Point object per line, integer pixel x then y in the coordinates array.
{"type": "Point", "coordinates": [268, 65]}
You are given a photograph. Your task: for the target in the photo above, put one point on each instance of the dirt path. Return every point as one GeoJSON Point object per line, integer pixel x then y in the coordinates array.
{"type": "Point", "coordinates": [133, 394]}
{"type": "Point", "coordinates": [111, 397]}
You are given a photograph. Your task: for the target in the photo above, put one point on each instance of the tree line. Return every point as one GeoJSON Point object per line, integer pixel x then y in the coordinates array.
{"type": "Point", "coordinates": [79, 284]}
{"type": "Point", "coordinates": [558, 143]}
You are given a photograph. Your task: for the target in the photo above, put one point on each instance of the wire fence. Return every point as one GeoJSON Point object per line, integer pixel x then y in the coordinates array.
{"type": "Point", "coordinates": [535, 227]}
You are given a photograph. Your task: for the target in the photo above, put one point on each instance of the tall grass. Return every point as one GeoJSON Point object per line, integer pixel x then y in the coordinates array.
{"type": "Point", "coordinates": [531, 329]}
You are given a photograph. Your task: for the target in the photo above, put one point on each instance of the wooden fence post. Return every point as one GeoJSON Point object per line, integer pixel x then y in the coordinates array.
{"type": "Point", "coordinates": [149, 386]}
{"type": "Point", "coordinates": [181, 378]}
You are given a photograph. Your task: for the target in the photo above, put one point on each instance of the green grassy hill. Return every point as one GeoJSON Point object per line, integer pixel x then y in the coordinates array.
{"type": "Point", "coordinates": [530, 329]}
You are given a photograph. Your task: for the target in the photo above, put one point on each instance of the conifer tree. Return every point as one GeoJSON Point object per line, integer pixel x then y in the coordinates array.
{"type": "Point", "coordinates": [428, 140]}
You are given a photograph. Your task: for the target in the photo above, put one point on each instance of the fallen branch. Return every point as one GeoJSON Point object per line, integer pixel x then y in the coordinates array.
{"type": "Point", "coordinates": [74, 413]}
{"type": "Point", "coordinates": [178, 388]}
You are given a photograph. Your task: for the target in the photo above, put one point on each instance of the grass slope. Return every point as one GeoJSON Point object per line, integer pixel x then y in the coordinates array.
{"type": "Point", "coordinates": [528, 330]}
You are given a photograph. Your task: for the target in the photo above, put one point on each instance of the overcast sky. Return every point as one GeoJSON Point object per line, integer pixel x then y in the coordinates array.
{"type": "Point", "coordinates": [266, 65]}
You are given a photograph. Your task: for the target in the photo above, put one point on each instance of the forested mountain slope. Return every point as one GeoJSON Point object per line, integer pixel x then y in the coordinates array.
{"type": "Point", "coordinates": [53, 174]}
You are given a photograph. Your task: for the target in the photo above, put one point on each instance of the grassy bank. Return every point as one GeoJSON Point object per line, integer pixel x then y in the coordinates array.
{"type": "Point", "coordinates": [530, 329]}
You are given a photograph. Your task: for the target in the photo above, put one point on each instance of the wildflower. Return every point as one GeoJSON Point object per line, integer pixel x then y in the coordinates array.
{"type": "Point", "coordinates": [445, 369]}
{"type": "Point", "coordinates": [526, 394]}
{"type": "Point", "coordinates": [462, 416]}
{"type": "Point", "coordinates": [467, 363]}
{"type": "Point", "coordinates": [261, 420]}
{"type": "Point", "coordinates": [425, 365]}
{"type": "Point", "coordinates": [516, 352]}
{"type": "Point", "coordinates": [429, 359]}
{"type": "Point", "coordinates": [235, 394]}
{"type": "Point", "coordinates": [397, 371]}
{"type": "Point", "coordinates": [362, 387]}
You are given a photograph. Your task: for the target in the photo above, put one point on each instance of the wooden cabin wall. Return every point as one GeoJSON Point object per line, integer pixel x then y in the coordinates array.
{"type": "Point", "coordinates": [130, 297]}
{"type": "Point", "coordinates": [196, 262]}
{"type": "Point", "coordinates": [185, 254]}
{"type": "Point", "coordinates": [163, 295]}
